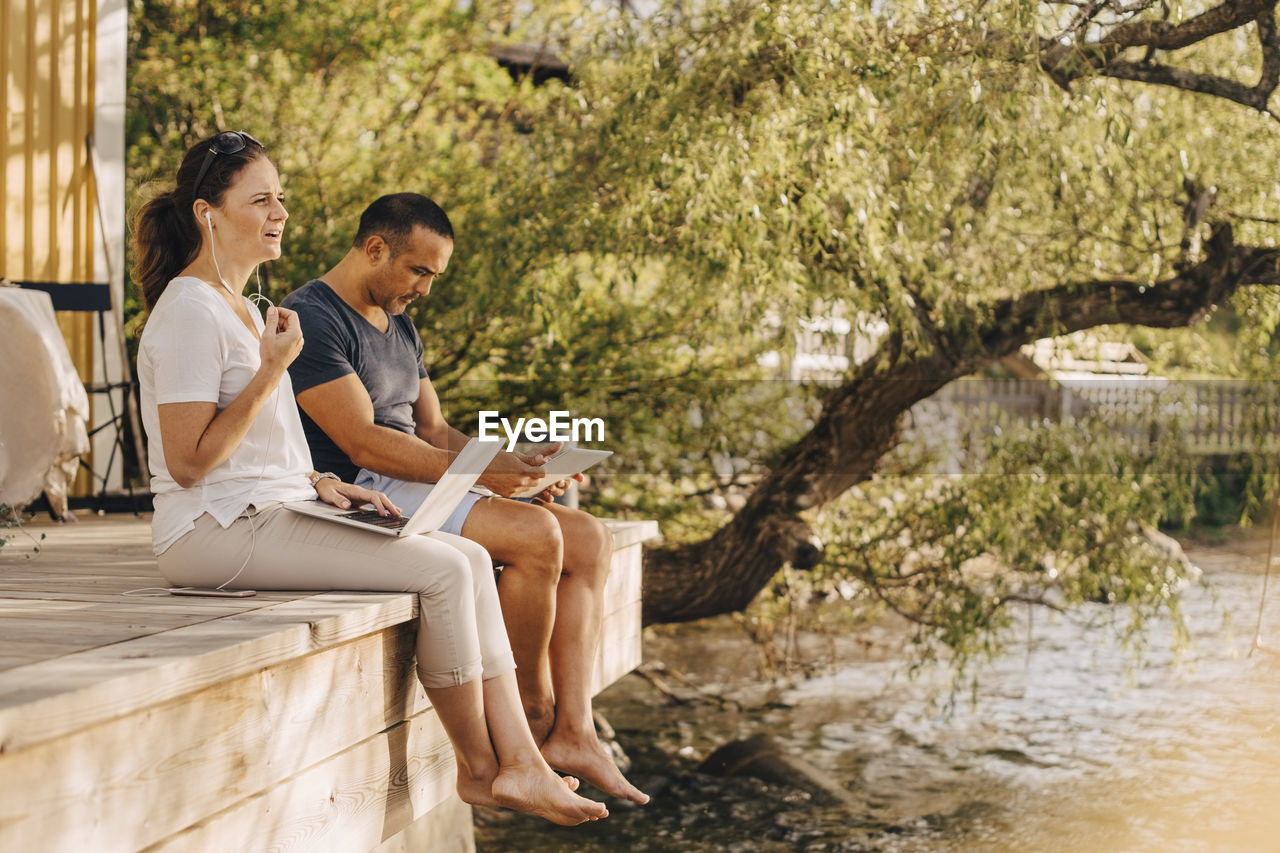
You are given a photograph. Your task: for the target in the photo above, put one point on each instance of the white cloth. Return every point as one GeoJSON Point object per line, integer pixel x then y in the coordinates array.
{"type": "Point", "coordinates": [195, 349]}
{"type": "Point", "coordinates": [43, 404]}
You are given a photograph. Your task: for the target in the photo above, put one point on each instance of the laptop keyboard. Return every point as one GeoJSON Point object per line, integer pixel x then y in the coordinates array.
{"type": "Point", "coordinates": [370, 516]}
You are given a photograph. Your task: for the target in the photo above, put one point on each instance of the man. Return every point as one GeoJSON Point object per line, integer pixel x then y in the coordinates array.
{"type": "Point", "coordinates": [372, 416]}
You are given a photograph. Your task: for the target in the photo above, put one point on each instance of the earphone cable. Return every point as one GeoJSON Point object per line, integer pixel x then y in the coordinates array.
{"type": "Point", "coordinates": [256, 299]}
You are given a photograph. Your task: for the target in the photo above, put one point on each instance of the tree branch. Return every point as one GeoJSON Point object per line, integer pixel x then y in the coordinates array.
{"type": "Point", "coordinates": [1170, 303]}
{"type": "Point", "coordinates": [1068, 61]}
{"type": "Point", "coordinates": [1254, 97]}
{"type": "Point", "coordinates": [1162, 35]}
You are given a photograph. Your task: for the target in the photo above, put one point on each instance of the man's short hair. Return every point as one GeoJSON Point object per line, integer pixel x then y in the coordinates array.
{"type": "Point", "coordinates": [393, 218]}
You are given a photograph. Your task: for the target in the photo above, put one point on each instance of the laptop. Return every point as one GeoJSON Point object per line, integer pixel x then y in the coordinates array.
{"type": "Point", "coordinates": [462, 474]}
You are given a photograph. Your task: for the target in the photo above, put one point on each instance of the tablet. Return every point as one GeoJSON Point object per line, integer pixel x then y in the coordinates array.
{"type": "Point", "coordinates": [564, 464]}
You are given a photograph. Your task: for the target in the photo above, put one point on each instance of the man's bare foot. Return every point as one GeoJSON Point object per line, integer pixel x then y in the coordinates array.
{"type": "Point", "coordinates": [540, 711]}
{"type": "Point", "coordinates": [538, 700]}
{"type": "Point", "coordinates": [542, 719]}
{"type": "Point", "coordinates": [583, 755]}
{"type": "Point", "coordinates": [477, 792]}
{"type": "Point", "coordinates": [539, 791]}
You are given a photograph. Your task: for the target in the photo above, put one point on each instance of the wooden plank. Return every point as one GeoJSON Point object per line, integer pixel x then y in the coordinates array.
{"type": "Point", "coordinates": [227, 605]}
{"type": "Point", "coordinates": [53, 587]}
{"type": "Point", "coordinates": [10, 658]}
{"type": "Point", "coordinates": [122, 626]}
{"type": "Point", "coordinates": [61, 579]}
{"type": "Point", "coordinates": [61, 576]}
{"type": "Point", "coordinates": [61, 635]}
{"type": "Point", "coordinates": [46, 648]}
{"type": "Point", "coordinates": [626, 575]}
{"type": "Point", "coordinates": [621, 646]}
{"type": "Point", "coordinates": [130, 618]}
{"type": "Point", "coordinates": [60, 696]}
{"type": "Point", "coordinates": [631, 532]}
{"type": "Point", "coordinates": [137, 779]}
{"type": "Point", "coordinates": [353, 801]}
{"type": "Point", "coordinates": [198, 608]}
{"type": "Point", "coordinates": [445, 829]}
{"type": "Point", "coordinates": [620, 649]}
{"type": "Point", "coordinates": [170, 611]}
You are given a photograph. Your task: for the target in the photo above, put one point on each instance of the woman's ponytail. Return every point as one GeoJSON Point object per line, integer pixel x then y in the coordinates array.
{"type": "Point", "coordinates": [164, 244]}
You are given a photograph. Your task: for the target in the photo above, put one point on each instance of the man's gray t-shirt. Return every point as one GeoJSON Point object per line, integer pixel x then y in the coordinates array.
{"type": "Point", "coordinates": [337, 341]}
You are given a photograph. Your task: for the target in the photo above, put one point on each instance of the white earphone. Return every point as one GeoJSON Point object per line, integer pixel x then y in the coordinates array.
{"type": "Point", "coordinates": [208, 218]}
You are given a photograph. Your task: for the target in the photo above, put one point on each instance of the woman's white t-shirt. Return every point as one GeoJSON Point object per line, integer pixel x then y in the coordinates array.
{"type": "Point", "coordinates": [195, 349]}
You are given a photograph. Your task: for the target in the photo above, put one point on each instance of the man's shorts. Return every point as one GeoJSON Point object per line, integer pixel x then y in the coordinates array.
{"type": "Point", "coordinates": [409, 496]}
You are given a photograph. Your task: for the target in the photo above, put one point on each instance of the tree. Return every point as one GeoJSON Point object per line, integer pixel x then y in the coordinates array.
{"type": "Point", "coordinates": [929, 172]}
{"type": "Point", "coordinates": [630, 241]}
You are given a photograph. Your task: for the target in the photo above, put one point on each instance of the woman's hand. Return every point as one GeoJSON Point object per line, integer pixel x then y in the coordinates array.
{"type": "Point", "coordinates": [281, 338]}
{"type": "Point", "coordinates": [342, 495]}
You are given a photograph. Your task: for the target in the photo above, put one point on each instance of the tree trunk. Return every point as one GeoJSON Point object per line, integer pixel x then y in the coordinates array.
{"type": "Point", "coordinates": [857, 426]}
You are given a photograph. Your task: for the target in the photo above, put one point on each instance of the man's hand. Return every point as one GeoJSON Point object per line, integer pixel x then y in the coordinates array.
{"type": "Point", "coordinates": [541, 455]}
{"type": "Point", "coordinates": [508, 473]}
{"type": "Point", "coordinates": [558, 488]}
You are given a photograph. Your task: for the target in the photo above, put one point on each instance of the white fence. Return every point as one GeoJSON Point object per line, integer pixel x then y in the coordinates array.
{"type": "Point", "coordinates": [1212, 416]}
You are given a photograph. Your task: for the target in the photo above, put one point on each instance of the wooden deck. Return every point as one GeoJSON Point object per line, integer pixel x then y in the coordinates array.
{"type": "Point", "coordinates": [285, 721]}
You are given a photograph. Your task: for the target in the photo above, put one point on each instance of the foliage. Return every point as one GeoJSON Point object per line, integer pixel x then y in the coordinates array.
{"type": "Point", "coordinates": [630, 242]}
{"type": "Point", "coordinates": [787, 158]}
{"type": "Point", "coordinates": [704, 170]}
{"type": "Point", "coordinates": [1230, 491]}
{"type": "Point", "coordinates": [1212, 349]}
{"type": "Point", "coordinates": [348, 106]}
{"type": "Point", "coordinates": [1055, 516]}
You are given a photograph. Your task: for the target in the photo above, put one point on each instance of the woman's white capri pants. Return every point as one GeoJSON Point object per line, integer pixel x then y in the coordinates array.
{"type": "Point", "coordinates": [461, 635]}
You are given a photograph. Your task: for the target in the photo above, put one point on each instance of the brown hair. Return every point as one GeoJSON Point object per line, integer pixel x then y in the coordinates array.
{"type": "Point", "coordinates": [166, 236]}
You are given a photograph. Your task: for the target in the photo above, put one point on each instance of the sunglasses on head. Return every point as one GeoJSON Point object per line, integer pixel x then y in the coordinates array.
{"type": "Point", "coordinates": [227, 142]}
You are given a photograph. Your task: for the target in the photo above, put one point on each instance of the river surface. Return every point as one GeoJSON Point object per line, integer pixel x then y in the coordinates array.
{"type": "Point", "coordinates": [1074, 742]}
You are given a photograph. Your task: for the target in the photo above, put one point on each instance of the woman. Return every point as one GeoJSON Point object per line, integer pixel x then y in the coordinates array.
{"type": "Point", "coordinates": [227, 448]}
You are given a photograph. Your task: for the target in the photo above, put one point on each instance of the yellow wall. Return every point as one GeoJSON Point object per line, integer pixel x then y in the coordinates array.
{"type": "Point", "coordinates": [47, 227]}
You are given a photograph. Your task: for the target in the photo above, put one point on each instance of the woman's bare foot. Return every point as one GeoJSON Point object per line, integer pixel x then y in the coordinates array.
{"type": "Point", "coordinates": [583, 755]}
{"type": "Point", "coordinates": [538, 791]}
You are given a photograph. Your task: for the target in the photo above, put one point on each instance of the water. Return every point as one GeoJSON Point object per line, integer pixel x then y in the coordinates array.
{"type": "Point", "coordinates": [1072, 745]}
